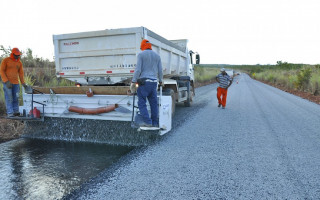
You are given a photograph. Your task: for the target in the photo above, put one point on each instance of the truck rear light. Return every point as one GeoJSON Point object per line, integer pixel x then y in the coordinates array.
{"type": "Point", "coordinates": [131, 71]}
{"type": "Point", "coordinates": [109, 72]}
{"type": "Point", "coordinates": [82, 72]}
{"type": "Point", "coordinates": [61, 73]}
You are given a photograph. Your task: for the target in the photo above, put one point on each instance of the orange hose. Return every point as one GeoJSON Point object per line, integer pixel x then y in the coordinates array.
{"type": "Point", "coordinates": [93, 111]}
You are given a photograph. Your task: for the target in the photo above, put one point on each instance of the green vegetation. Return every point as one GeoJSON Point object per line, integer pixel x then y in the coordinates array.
{"type": "Point", "coordinates": [300, 77]}
{"type": "Point", "coordinates": [37, 72]}
{"type": "Point", "coordinates": [205, 73]}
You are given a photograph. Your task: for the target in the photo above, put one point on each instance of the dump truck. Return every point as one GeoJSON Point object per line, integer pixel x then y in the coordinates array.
{"type": "Point", "coordinates": [101, 64]}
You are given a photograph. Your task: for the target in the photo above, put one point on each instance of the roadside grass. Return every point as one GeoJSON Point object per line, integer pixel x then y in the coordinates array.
{"type": "Point", "coordinates": [306, 78]}
{"type": "Point", "coordinates": [315, 82]}
{"type": "Point", "coordinates": [205, 74]}
{"type": "Point", "coordinates": [284, 78]}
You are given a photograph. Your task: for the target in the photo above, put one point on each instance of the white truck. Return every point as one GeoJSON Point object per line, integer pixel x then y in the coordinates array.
{"type": "Point", "coordinates": [102, 63]}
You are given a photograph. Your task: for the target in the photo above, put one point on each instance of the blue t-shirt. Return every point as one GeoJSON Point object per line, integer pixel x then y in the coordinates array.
{"type": "Point", "coordinates": [148, 66]}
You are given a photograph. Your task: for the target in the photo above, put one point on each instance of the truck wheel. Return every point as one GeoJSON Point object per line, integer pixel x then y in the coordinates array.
{"type": "Point", "coordinates": [170, 92]}
{"type": "Point", "coordinates": [187, 103]}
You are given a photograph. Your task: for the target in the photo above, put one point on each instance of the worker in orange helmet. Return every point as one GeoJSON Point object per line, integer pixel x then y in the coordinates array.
{"type": "Point", "coordinates": [147, 74]}
{"type": "Point", "coordinates": [11, 70]}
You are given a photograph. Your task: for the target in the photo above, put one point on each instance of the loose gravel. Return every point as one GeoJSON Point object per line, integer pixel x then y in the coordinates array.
{"type": "Point", "coordinates": [264, 145]}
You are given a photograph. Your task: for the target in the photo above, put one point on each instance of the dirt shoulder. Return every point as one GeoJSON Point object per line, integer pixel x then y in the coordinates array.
{"type": "Point", "coordinates": [10, 129]}
{"type": "Point", "coordinates": [304, 95]}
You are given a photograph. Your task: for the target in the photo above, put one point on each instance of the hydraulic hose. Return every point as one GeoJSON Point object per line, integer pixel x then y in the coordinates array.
{"type": "Point", "coordinates": [93, 111]}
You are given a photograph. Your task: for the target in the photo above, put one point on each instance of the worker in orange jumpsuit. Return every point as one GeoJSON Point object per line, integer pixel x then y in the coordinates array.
{"type": "Point", "coordinates": [12, 69]}
{"type": "Point", "coordinates": [224, 81]}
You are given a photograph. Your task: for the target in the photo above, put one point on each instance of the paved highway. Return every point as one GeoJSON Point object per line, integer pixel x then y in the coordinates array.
{"type": "Point", "coordinates": [264, 145]}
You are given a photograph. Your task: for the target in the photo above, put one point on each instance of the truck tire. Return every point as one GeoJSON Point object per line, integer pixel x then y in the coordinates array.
{"type": "Point", "coordinates": [187, 103]}
{"type": "Point", "coordinates": [170, 92]}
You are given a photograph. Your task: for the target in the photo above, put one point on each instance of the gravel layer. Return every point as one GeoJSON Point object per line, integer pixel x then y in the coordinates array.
{"type": "Point", "coordinates": [264, 145]}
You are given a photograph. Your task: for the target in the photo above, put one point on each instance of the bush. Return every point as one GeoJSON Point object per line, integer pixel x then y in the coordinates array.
{"type": "Point", "coordinates": [303, 78]}
{"type": "Point", "coordinates": [315, 82]}
{"type": "Point", "coordinates": [271, 78]}
{"type": "Point", "coordinates": [292, 79]}
{"type": "Point", "coordinates": [203, 74]}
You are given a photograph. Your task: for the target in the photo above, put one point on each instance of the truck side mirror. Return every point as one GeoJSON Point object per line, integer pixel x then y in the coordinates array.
{"type": "Point", "coordinates": [191, 59]}
{"type": "Point", "coordinates": [197, 59]}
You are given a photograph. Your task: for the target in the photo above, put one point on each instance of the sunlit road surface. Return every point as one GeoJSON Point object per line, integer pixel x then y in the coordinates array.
{"type": "Point", "coordinates": [264, 145]}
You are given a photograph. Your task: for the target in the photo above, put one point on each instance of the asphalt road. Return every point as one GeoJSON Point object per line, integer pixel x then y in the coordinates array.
{"type": "Point", "coordinates": [264, 145]}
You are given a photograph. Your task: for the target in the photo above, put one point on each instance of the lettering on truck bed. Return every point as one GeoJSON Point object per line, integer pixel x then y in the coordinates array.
{"type": "Point", "coordinates": [70, 43]}
{"type": "Point", "coordinates": [123, 65]}
{"type": "Point", "coordinates": [111, 66]}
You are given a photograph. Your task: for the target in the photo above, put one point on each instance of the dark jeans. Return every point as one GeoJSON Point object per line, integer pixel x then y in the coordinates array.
{"type": "Point", "coordinates": [148, 91]}
{"type": "Point", "coordinates": [12, 98]}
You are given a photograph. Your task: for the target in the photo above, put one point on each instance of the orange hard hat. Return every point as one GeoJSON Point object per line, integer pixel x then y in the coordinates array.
{"type": "Point", "coordinates": [16, 51]}
{"type": "Point", "coordinates": [145, 44]}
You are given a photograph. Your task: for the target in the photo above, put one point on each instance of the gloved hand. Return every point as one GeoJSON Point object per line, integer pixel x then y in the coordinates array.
{"type": "Point", "coordinates": [133, 88]}
{"type": "Point", "coordinates": [161, 84]}
{"type": "Point", "coordinates": [27, 88]}
{"type": "Point", "coordinates": [8, 84]}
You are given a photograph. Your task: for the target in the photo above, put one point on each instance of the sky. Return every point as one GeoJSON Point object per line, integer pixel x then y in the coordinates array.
{"type": "Point", "coordinates": [221, 31]}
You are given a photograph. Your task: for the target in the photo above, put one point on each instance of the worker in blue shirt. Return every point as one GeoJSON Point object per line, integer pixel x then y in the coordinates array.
{"type": "Point", "coordinates": [147, 73]}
